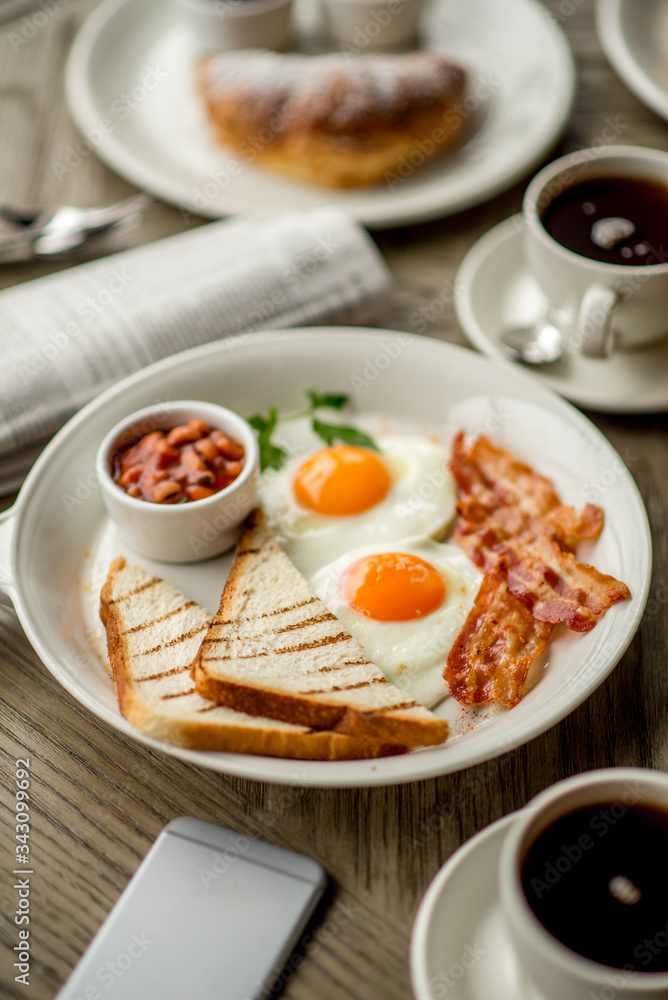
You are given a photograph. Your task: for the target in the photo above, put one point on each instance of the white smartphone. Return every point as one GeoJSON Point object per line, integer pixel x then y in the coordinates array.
{"type": "Point", "coordinates": [210, 914]}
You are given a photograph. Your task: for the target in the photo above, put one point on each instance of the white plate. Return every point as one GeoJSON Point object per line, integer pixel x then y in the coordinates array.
{"type": "Point", "coordinates": [57, 543]}
{"type": "Point", "coordinates": [521, 66]}
{"type": "Point", "coordinates": [496, 290]}
{"type": "Point", "coordinates": [634, 37]}
{"type": "Point", "coordinates": [460, 946]}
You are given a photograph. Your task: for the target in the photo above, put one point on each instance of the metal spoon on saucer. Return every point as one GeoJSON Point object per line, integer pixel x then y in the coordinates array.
{"type": "Point", "coordinates": [538, 343]}
{"type": "Point", "coordinates": [541, 342]}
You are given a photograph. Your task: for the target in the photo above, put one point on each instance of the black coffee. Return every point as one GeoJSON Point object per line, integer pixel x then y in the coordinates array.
{"type": "Point", "coordinates": [597, 879]}
{"type": "Point", "coordinates": [617, 220]}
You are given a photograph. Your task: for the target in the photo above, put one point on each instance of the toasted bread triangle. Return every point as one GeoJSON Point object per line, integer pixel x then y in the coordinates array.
{"type": "Point", "coordinates": [274, 649]}
{"type": "Point", "coordinates": [153, 633]}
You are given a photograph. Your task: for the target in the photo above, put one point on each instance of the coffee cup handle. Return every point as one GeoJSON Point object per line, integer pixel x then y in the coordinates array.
{"type": "Point", "coordinates": [594, 322]}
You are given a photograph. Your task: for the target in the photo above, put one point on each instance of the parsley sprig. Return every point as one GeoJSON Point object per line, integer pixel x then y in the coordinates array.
{"type": "Point", "coordinates": [272, 456]}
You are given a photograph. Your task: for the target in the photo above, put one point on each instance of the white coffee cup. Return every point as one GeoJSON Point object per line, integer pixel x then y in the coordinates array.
{"type": "Point", "coordinates": [226, 25]}
{"type": "Point", "coordinates": [374, 25]}
{"type": "Point", "coordinates": [601, 305]}
{"type": "Point", "coordinates": [550, 968]}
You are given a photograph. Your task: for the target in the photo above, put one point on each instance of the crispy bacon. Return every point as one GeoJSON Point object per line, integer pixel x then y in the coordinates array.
{"type": "Point", "coordinates": [492, 654]}
{"type": "Point", "coordinates": [495, 478]}
{"type": "Point", "coordinates": [555, 587]}
{"type": "Point", "coordinates": [571, 527]}
{"type": "Point", "coordinates": [514, 527]}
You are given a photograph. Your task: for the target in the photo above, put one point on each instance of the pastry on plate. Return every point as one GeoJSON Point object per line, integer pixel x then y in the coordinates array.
{"type": "Point", "coordinates": [334, 120]}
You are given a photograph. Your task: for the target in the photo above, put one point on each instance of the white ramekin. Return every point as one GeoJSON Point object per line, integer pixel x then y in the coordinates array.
{"type": "Point", "coordinates": [184, 532]}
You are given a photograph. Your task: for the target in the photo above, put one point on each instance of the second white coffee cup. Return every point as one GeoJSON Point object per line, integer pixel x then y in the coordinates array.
{"type": "Point", "coordinates": [553, 970]}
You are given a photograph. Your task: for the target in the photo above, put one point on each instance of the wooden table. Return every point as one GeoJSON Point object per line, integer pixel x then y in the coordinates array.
{"type": "Point", "coordinates": [99, 799]}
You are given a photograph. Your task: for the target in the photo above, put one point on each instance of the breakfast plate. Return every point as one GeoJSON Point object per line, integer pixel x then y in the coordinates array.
{"type": "Point", "coordinates": [496, 290]}
{"type": "Point", "coordinates": [460, 944]}
{"type": "Point", "coordinates": [56, 542]}
{"type": "Point", "coordinates": [634, 37]}
{"type": "Point", "coordinates": [130, 90]}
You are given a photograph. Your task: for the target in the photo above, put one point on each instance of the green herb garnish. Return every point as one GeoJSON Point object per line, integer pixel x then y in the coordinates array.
{"type": "Point", "coordinates": [272, 456]}
{"type": "Point", "coordinates": [349, 435]}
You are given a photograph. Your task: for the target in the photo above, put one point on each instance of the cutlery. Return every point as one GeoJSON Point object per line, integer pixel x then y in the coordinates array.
{"type": "Point", "coordinates": [64, 230]}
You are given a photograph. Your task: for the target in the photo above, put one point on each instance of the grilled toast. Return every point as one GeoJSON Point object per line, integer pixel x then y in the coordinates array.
{"type": "Point", "coordinates": [274, 649]}
{"type": "Point", "coordinates": [153, 634]}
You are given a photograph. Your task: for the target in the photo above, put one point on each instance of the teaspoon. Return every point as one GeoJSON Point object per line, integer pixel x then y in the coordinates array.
{"type": "Point", "coordinates": [535, 344]}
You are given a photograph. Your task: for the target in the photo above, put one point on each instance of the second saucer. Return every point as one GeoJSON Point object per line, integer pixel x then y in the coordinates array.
{"type": "Point", "coordinates": [496, 291]}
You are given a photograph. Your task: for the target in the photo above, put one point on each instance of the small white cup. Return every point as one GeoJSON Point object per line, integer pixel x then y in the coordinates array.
{"type": "Point", "coordinates": [184, 532]}
{"type": "Point", "coordinates": [555, 971]}
{"type": "Point", "coordinates": [374, 25]}
{"type": "Point", "coordinates": [225, 25]}
{"type": "Point", "coordinates": [602, 305]}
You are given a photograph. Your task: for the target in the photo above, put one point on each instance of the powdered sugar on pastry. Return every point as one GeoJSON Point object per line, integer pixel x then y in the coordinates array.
{"type": "Point", "coordinates": [331, 119]}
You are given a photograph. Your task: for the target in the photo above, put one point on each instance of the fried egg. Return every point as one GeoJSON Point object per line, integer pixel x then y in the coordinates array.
{"type": "Point", "coordinates": [405, 604]}
{"type": "Point", "coordinates": [339, 498]}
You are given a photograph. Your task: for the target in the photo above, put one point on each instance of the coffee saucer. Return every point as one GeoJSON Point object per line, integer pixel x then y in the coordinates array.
{"type": "Point", "coordinates": [495, 290]}
{"type": "Point", "coordinates": [460, 946]}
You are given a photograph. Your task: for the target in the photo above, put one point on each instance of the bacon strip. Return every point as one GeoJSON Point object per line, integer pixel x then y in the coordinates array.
{"type": "Point", "coordinates": [492, 654]}
{"type": "Point", "coordinates": [555, 587]}
{"type": "Point", "coordinates": [516, 530]}
{"type": "Point", "coordinates": [531, 538]}
{"type": "Point", "coordinates": [494, 478]}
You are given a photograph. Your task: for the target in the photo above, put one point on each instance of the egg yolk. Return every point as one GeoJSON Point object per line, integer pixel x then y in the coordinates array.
{"type": "Point", "coordinates": [393, 587]}
{"type": "Point", "coordinates": [341, 480]}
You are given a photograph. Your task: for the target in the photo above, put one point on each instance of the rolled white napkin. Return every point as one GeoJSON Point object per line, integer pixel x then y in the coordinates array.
{"type": "Point", "coordinates": [67, 337]}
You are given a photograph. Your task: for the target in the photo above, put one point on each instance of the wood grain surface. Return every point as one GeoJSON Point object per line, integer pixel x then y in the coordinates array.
{"type": "Point", "coordinates": [98, 799]}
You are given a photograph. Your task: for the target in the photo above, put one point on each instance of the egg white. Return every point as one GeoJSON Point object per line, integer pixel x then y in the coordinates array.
{"type": "Point", "coordinates": [411, 654]}
{"type": "Point", "coordinates": [420, 501]}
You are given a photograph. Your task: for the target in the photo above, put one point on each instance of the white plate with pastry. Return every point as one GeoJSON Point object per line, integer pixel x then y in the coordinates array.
{"type": "Point", "coordinates": [57, 543]}
{"type": "Point", "coordinates": [131, 89]}
{"type": "Point", "coordinates": [634, 37]}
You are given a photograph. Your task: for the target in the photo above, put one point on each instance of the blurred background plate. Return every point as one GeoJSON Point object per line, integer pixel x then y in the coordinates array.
{"type": "Point", "coordinates": [131, 92]}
